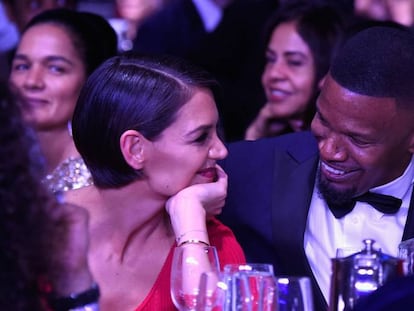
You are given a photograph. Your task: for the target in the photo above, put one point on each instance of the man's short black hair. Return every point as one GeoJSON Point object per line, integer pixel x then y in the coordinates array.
{"type": "Point", "coordinates": [378, 62]}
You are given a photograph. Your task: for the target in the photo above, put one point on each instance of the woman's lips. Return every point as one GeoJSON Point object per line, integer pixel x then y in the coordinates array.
{"type": "Point", "coordinates": [276, 95]}
{"type": "Point", "coordinates": [33, 102]}
{"type": "Point", "coordinates": [209, 173]}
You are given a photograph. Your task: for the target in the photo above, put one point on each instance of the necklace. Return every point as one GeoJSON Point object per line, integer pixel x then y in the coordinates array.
{"type": "Point", "coordinates": [71, 174]}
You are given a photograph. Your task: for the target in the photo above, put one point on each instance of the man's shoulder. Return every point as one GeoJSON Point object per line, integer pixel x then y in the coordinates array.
{"type": "Point", "coordinates": [301, 141]}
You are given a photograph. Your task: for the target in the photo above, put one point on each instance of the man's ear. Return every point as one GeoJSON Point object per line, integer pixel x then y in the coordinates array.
{"type": "Point", "coordinates": [132, 147]}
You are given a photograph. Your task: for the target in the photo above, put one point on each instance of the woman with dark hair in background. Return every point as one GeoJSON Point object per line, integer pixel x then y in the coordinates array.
{"type": "Point", "coordinates": [222, 36]}
{"type": "Point", "coordinates": [57, 52]}
{"type": "Point", "coordinates": [301, 41]}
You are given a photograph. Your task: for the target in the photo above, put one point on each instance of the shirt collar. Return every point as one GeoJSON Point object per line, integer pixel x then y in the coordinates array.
{"type": "Point", "coordinates": [400, 186]}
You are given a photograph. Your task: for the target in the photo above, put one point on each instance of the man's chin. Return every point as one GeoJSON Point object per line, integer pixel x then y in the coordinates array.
{"type": "Point", "coordinates": [333, 194]}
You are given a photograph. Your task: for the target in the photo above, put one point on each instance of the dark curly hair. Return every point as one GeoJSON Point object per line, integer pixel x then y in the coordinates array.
{"type": "Point", "coordinates": [24, 205]}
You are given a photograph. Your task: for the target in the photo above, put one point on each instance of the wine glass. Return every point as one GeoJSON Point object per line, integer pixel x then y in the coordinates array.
{"type": "Point", "coordinates": [212, 292]}
{"type": "Point", "coordinates": [406, 252]}
{"type": "Point", "coordinates": [188, 264]}
{"type": "Point", "coordinates": [249, 267]}
{"type": "Point", "coordinates": [294, 293]}
{"type": "Point", "coordinates": [251, 287]}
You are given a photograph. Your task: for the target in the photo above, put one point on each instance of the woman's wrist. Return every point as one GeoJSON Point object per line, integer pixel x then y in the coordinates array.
{"type": "Point", "coordinates": [188, 218]}
{"type": "Point", "coordinates": [193, 235]}
{"type": "Point", "coordinates": [195, 242]}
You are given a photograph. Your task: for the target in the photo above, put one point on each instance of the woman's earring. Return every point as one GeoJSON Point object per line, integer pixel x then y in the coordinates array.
{"type": "Point", "coordinates": [70, 128]}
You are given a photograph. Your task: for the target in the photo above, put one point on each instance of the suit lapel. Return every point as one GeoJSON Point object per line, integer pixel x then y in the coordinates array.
{"type": "Point", "coordinates": [290, 210]}
{"type": "Point", "coordinates": [409, 224]}
{"type": "Point", "coordinates": [289, 207]}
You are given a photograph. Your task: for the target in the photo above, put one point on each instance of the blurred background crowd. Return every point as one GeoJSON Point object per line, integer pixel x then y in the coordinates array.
{"type": "Point", "coordinates": [270, 58]}
{"type": "Point", "coordinates": [229, 38]}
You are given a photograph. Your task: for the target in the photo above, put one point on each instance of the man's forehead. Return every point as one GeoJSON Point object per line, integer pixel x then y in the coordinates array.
{"type": "Point", "coordinates": [333, 93]}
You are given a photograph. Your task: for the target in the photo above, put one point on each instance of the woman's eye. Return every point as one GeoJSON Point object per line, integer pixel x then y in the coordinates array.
{"type": "Point", "coordinates": [20, 67]}
{"type": "Point", "coordinates": [295, 63]}
{"type": "Point", "coordinates": [57, 69]}
{"type": "Point", "coordinates": [202, 138]}
{"type": "Point", "coordinates": [270, 59]}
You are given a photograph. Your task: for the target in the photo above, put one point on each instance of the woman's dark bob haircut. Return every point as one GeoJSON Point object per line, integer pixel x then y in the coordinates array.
{"type": "Point", "coordinates": [130, 92]}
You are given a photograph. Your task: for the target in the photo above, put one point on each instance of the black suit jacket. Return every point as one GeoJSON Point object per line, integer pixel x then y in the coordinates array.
{"type": "Point", "coordinates": [270, 189]}
{"type": "Point", "coordinates": [397, 295]}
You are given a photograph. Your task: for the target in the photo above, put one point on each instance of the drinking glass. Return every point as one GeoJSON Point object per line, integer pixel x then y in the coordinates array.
{"type": "Point", "coordinates": [294, 293]}
{"type": "Point", "coordinates": [406, 252]}
{"type": "Point", "coordinates": [251, 287]}
{"type": "Point", "coordinates": [212, 292]}
{"type": "Point", "coordinates": [249, 267]}
{"type": "Point", "coordinates": [189, 262]}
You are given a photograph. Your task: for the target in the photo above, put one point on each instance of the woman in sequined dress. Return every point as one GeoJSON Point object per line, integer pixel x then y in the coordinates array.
{"type": "Point", "coordinates": [57, 52]}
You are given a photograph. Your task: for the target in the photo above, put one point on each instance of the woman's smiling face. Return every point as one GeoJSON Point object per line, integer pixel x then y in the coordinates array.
{"type": "Point", "coordinates": [47, 74]}
{"type": "Point", "coordinates": [187, 151]}
{"type": "Point", "coordinates": [289, 75]}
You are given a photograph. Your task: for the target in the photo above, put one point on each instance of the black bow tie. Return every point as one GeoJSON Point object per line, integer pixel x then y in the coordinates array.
{"type": "Point", "coordinates": [384, 203]}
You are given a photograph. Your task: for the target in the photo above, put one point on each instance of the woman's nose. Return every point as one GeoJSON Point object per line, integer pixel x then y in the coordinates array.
{"type": "Point", "coordinates": [34, 78]}
{"type": "Point", "coordinates": [218, 151]}
{"type": "Point", "coordinates": [277, 70]}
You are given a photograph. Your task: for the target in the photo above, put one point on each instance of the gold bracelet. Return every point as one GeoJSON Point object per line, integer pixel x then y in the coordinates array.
{"type": "Point", "coordinates": [187, 232]}
{"type": "Point", "coordinates": [193, 242]}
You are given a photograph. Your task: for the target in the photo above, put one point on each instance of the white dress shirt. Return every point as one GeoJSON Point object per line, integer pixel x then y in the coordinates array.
{"type": "Point", "coordinates": [325, 234]}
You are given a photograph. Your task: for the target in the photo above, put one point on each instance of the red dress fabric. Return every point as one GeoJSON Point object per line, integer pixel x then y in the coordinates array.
{"type": "Point", "coordinates": [228, 249]}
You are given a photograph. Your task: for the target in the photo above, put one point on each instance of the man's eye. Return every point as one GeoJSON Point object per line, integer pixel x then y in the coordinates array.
{"type": "Point", "coordinates": [359, 142]}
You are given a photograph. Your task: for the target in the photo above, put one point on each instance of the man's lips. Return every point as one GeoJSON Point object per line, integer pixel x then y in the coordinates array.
{"type": "Point", "coordinates": [209, 173]}
{"type": "Point", "coordinates": [336, 173]}
{"type": "Point", "coordinates": [332, 170]}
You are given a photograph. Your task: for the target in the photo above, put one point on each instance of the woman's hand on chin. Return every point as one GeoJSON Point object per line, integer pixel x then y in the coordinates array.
{"type": "Point", "coordinates": [189, 208]}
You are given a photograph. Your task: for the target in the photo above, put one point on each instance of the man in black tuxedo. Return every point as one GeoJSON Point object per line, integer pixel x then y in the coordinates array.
{"type": "Point", "coordinates": [294, 200]}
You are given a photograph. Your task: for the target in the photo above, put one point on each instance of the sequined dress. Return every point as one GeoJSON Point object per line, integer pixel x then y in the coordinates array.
{"type": "Point", "coordinates": [71, 174]}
